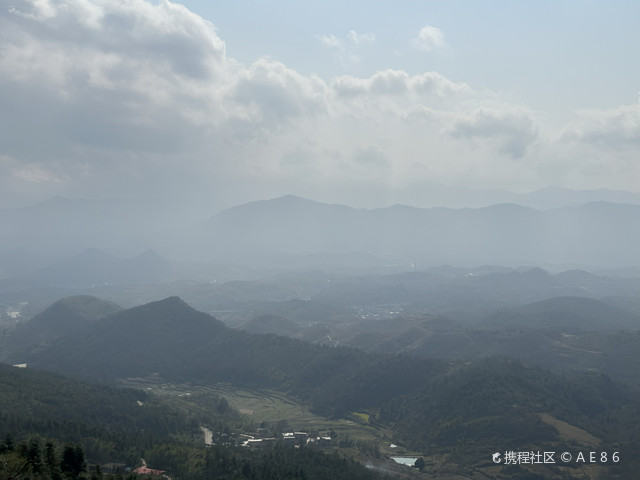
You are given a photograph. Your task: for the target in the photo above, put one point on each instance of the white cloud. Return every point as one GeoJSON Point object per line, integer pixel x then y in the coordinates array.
{"type": "Point", "coordinates": [331, 41]}
{"type": "Point", "coordinates": [389, 82]}
{"type": "Point", "coordinates": [147, 91]}
{"type": "Point", "coordinates": [274, 93]}
{"type": "Point", "coordinates": [360, 38]}
{"type": "Point", "coordinates": [15, 173]}
{"type": "Point", "coordinates": [598, 148]}
{"type": "Point", "coordinates": [120, 98]}
{"type": "Point", "coordinates": [36, 174]}
{"type": "Point", "coordinates": [513, 130]}
{"type": "Point", "coordinates": [349, 49]}
{"type": "Point", "coordinates": [612, 129]}
{"type": "Point", "coordinates": [429, 38]}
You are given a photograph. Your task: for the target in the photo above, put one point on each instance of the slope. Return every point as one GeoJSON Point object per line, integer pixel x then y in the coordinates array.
{"type": "Point", "coordinates": [568, 314]}
{"type": "Point", "coordinates": [420, 397]}
{"type": "Point", "coordinates": [64, 317]}
{"type": "Point", "coordinates": [112, 423]}
{"type": "Point", "coordinates": [173, 340]}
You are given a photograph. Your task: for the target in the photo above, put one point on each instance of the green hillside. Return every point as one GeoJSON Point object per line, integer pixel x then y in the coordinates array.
{"type": "Point", "coordinates": [64, 317]}
{"type": "Point", "coordinates": [173, 340]}
{"type": "Point", "coordinates": [112, 423]}
{"type": "Point", "coordinates": [54, 428]}
{"type": "Point", "coordinates": [461, 410]}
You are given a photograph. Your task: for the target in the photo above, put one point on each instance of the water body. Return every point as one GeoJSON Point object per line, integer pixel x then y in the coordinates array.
{"type": "Point", "coordinates": [409, 461]}
{"type": "Point", "coordinates": [208, 436]}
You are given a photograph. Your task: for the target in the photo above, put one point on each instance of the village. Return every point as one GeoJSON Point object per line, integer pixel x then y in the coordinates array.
{"type": "Point", "coordinates": [264, 437]}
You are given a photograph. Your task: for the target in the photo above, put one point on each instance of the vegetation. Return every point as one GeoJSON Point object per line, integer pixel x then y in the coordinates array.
{"type": "Point", "coordinates": [33, 459]}
{"type": "Point", "coordinates": [182, 345]}
{"type": "Point", "coordinates": [57, 427]}
{"type": "Point", "coordinates": [111, 423]}
{"type": "Point", "coordinates": [461, 411]}
{"type": "Point", "coordinates": [274, 462]}
{"type": "Point", "coordinates": [51, 460]}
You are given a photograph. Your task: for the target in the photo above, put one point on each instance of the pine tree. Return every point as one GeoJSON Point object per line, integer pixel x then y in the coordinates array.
{"type": "Point", "coordinates": [51, 462]}
{"type": "Point", "coordinates": [73, 461]}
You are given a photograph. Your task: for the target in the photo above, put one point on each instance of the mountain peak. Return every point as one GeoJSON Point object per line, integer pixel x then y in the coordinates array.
{"type": "Point", "coordinates": [170, 304]}
{"type": "Point", "coordinates": [173, 300]}
{"type": "Point", "coordinates": [69, 312]}
{"type": "Point", "coordinates": [290, 198]}
{"type": "Point", "coordinates": [170, 311]}
{"type": "Point", "coordinates": [149, 253]}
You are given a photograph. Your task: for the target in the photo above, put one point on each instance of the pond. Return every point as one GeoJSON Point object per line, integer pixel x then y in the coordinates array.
{"type": "Point", "coordinates": [409, 461]}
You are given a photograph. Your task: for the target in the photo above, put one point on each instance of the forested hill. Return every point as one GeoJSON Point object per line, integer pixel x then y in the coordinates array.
{"type": "Point", "coordinates": [179, 343]}
{"type": "Point", "coordinates": [112, 423]}
{"type": "Point", "coordinates": [66, 315]}
{"type": "Point", "coordinates": [430, 404]}
{"type": "Point", "coordinates": [54, 428]}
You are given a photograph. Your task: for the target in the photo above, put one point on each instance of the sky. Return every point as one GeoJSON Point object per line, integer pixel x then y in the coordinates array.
{"type": "Point", "coordinates": [364, 103]}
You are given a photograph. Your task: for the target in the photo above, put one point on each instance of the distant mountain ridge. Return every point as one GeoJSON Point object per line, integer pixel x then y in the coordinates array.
{"type": "Point", "coordinates": [556, 197]}
{"type": "Point", "coordinates": [573, 314]}
{"type": "Point", "coordinates": [570, 230]}
{"type": "Point", "coordinates": [97, 267]}
{"type": "Point", "coordinates": [594, 234]}
{"type": "Point", "coordinates": [60, 227]}
{"type": "Point", "coordinates": [434, 195]}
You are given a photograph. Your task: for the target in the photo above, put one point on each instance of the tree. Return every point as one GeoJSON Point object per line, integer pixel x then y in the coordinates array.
{"type": "Point", "coordinates": [51, 461]}
{"type": "Point", "coordinates": [419, 464]}
{"type": "Point", "coordinates": [34, 456]}
{"type": "Point", "coordinates": [73, 461]}
{"type": "Point", "coordinates": [8, 444]}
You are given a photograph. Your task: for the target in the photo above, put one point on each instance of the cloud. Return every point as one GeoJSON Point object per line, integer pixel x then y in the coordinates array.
{"type": "Point", "coordinates": [600, 144]}
{"type": "Point", "coordinates": [422, 88]}
{"type": "Point", "coordinates": [429, 38]}
{"type": "Point", "coordinates": [137, 98]}
{"type": "Point", "coordinates": [273, 93]}
{"type": "Point", "coordinates": [166, 35]}
{"type": "Point", "coordinates": [612, 129]}
{"type": "Point", "coordinates": [348, 49]}
{"type": "Point", "coordinates": [129, 75]}
{"type": "Point", "coordinates": [133, 96]}
{"type": "Point", "coordinates": [371, 157]}
{"type": "Point", "coordinates": [37, 174]}
{"type": "Point", "coordinates": [513, 130]}
{"type": "Point", "coordinates": [331, 41]}
{"type": "Point", "coordinates": [360, 38]}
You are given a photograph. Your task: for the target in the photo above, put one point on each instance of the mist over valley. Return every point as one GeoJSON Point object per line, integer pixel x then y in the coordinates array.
{"type": "Point", "coordinates": [334, 309]}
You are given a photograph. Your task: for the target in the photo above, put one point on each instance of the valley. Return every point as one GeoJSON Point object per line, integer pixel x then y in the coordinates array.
{"type": "Point", "coordinates": [364, 401]}
{"type": "Point", "coordinates": [366, 359]}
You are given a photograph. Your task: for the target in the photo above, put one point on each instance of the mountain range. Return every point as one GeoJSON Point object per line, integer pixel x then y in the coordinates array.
{"type": "Point", "coordinates": [298, 233]}
{"type": "Point", "coordinates": [595, 234]}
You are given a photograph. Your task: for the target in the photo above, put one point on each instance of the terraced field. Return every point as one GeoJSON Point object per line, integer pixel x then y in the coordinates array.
{"type": "Point", "coordinates": [268, 406]}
